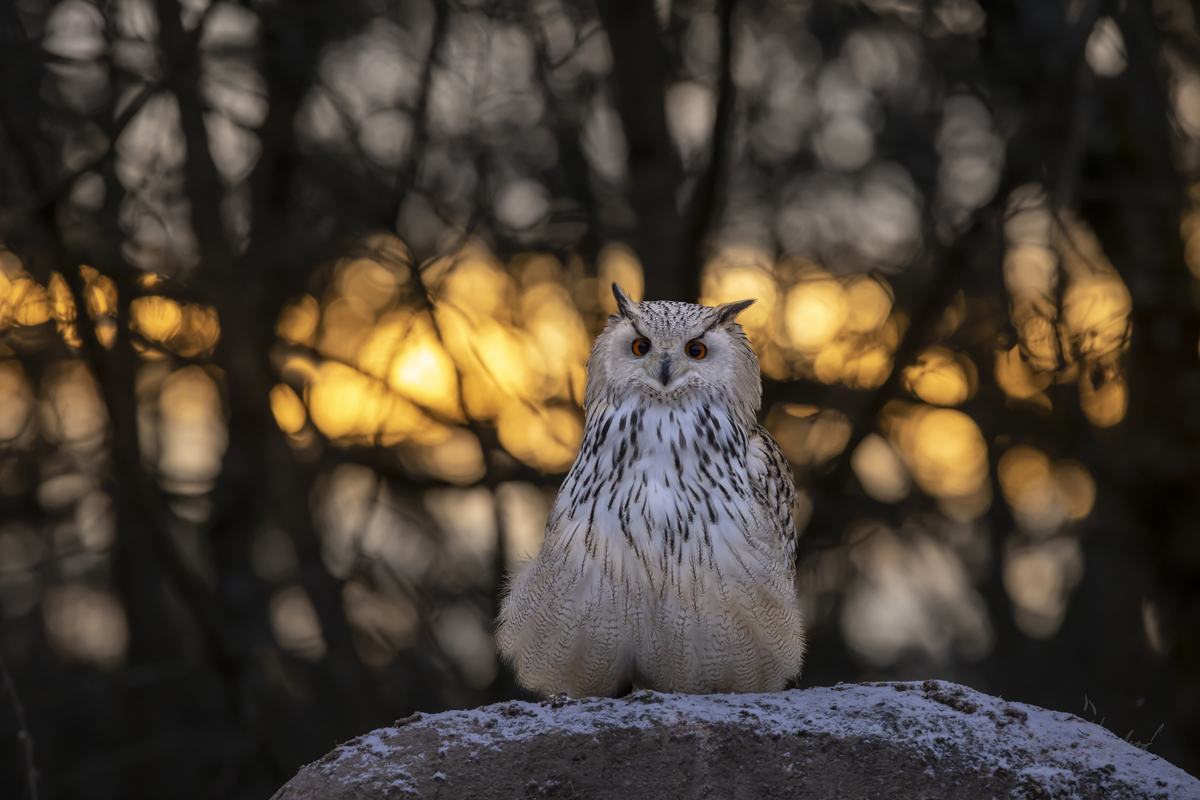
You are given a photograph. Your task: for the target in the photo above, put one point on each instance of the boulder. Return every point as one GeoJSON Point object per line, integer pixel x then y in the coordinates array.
{"type": "Point", "coordinates": [879, 740]}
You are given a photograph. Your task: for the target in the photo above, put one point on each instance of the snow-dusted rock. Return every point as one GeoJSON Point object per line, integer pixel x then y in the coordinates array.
{"type": "Point", "coordinates": [882, 740]}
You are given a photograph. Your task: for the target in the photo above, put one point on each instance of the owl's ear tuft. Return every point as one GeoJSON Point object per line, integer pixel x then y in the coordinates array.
{"type": "Point", "coordinates": [728, 313]}
{"type": "Point", "coordinates": [625, 306]}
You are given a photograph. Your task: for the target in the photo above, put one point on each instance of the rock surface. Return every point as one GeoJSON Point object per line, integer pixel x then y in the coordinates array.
{"type": "Point", "coordinates": [883, 740]}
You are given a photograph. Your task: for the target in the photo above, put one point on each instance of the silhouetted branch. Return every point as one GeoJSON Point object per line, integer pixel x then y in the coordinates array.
{"type": "Point", "coordinates": [406, 180]}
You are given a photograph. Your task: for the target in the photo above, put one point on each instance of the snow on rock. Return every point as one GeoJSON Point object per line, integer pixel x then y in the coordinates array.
{"type": "Point", "coordinates": [878, 741]}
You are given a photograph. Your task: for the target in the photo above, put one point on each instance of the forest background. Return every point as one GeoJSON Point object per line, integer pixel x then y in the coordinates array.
{"type": "Point", "coordinates": [296, 298]}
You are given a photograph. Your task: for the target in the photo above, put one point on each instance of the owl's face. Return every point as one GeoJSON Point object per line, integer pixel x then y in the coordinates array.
{"type": "Point", "coordinates": [668, 351]}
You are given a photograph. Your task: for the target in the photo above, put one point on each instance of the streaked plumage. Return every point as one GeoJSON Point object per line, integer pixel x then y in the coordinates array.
{"type": "Point", "coordinates": [667, 561]}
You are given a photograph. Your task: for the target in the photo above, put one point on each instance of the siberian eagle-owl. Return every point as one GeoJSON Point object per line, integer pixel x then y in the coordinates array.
{"type": "Point", "coordinates": [667, 562]}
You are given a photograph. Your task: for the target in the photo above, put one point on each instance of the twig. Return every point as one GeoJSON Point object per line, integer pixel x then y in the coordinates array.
{"type": "Point", "coordinates": [407, 177]}
{"type": "Point", "coordinates": [23, 735]}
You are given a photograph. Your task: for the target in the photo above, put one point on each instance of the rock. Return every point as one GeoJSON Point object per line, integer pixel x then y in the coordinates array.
{"type": "Point", "coordinates": [882, 740]}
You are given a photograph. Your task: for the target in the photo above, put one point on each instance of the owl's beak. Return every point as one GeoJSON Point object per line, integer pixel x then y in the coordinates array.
{"type": "Point", "coordinates": [664, 370]}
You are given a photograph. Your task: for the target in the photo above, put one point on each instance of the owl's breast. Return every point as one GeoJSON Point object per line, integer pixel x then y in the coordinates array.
{"type": "Point", "coordinates": [667, 487]}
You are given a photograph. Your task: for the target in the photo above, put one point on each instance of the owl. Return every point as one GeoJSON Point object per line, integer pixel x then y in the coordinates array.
{"type": "Point", "coordinates": [668, 557]}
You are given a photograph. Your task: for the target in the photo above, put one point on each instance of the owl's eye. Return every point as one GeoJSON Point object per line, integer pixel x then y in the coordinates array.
{"type": "Point", "coordinates": [641, 347]}
{"type": "Point", "coordinates": [696, 350]}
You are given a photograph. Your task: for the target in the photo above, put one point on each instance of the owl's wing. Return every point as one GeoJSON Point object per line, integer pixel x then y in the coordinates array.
{"type": "Point", "coordinates": [772, 476]}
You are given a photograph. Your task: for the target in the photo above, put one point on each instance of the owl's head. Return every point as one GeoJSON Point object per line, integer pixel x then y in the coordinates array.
{"type": "Point", "coordinates": [668, 351]}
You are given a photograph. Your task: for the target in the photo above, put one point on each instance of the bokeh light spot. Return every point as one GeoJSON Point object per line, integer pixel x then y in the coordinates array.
{"type": "Point", "coordinates": [287, 408]}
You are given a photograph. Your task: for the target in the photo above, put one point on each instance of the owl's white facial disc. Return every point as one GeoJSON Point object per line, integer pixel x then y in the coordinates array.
{"type": "Point", "coordinates": [663, 351]}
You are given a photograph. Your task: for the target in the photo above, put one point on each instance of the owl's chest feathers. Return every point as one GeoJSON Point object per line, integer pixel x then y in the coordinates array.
{"type": "Point", "coordinates": [669, 486]}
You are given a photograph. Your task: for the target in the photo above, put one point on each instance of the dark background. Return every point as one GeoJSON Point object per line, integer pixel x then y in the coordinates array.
{"type": "Point", "coordinates": [296, 299]}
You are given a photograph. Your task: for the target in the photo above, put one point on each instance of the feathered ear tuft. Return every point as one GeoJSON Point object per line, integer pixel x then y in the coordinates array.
{"type": "Point", "coordinates": [625, 306]}
{"type": "Point", "coordinates": [728, 313]}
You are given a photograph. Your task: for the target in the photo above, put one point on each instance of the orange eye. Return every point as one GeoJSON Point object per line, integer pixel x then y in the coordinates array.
{"type": "Point", "coordinates": [696, 350]}
{"type": "Point", "coordinates": [641, 347]}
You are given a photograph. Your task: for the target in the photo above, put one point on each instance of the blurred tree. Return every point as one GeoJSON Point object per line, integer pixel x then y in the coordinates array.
{"type": "Point", "coordinates": [295, 303]}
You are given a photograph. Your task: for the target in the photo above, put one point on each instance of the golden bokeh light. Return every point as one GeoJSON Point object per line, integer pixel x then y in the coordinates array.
{"type": "Point", "coordinates": [943, 448]}
{"type": "Point", "coordinates": [73, 412]}
{"type": "Point", "coordinates": [192, 436]}
{"type": "Point", "coordinates": [498, 357]}
{"type": "Point", "coordinates": [1034, 582]}
{"type": "Point", "coordinates": [70, 334]}
{"type": "Point", "coordinates": [547, 439]}
{"type": "Point", "coordinates": [424, 372]}
{"type": "Point", "coordinates": [618, 264]}
{"type": "Point", "coordinates": [808, 322]}
{"type": "Point", "coordinates": [155, 317]}
{"type": "Point", "coordinates": [806, 434]}
{"type": "Point", "coordinates": [1017, 378]}
{"type": "Point", "coordinates": [369, 282]}
{"type": "Point", "coordinates": [457, 459]}
{"type": "Point", "coordinates": [1044, 494]}
{"type": "Point", "coordinates": [560, 336]}
{"type": "Point", "coordinates": [502, 342]}
{"type": "Point", "coordinates": [870, 302]}
{"type": "Point", "coordinates": [16, 399]}
{"type": "Point", "coordinates": [343, 402]}
{"type": "Point", "coordinates": [1030, 269]}
{"type": "Point", "coordinates": [1049, 254]}
{"type": "Point", "coordinates": [198, 331]}
{"type": "Point", "coordinates": [1074, 488]}
{"type": "Point", "coordinates": [867, 369]}
{"type": "Point", "coordinates": [1039, 578]}
{"type": "Point", "coordinates": [288, 409]}
{"type": "Point", "coordinates": [379, 349]}
{"type": "Point", "coordinates": [880, 470]}
{"type": "Point", "coordinates": [298, 321]}
{"type": "Point", "coordinates": [743, 274]}
{"type": "Point", "coordinates": [1035, 318]}
{"type": "Point", "coordinates": [100, 293]}
{"type": "Point", "coordinates": [816, 308]}
{"type": "Point", "coordinates": [1106, 405]}
{"type": "Point", "coordinates": [29, 301]}
{"type": "Point", "coordinates": [346, 324]}
{"type": "Point", "coordinates": [1096, 311]}
{"type": "Point", "coordinates": [1025, 481]}
{"type": "Point", "coordinates": [474, 282]}
{"type": "Point", "coordinates": [62, 304]}
{"type": "Point", "coordinates": [939, 377]}
{"type": "Point", "coordinates": [106, 331]}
